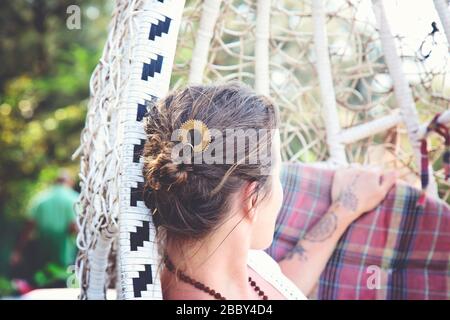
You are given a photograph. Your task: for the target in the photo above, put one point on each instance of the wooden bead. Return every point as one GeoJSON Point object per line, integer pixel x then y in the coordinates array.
{"type": "Point", "coordinates": [201, 286]}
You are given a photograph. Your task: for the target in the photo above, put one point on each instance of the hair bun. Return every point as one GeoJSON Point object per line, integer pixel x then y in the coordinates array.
{"type": "Point", "coordinates": [159, 169]}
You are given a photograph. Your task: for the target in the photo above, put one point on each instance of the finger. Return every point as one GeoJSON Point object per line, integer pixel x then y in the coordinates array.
{"type": "Point", "coordinates": [388, 180]}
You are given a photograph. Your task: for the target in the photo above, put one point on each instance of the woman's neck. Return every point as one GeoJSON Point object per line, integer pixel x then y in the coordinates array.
{"type": "Point", "coordinates": [220, 265]}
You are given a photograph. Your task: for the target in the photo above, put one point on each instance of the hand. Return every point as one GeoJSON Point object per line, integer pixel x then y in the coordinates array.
{"type": "Point", "coordinates": [357, 190]}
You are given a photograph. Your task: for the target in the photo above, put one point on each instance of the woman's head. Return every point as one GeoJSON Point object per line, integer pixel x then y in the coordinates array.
{"type": "Point", "coordinates": [191, 198]}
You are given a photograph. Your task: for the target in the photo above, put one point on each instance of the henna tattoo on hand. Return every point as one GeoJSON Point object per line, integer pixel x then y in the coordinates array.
{"type": "Point", "coordinates": [298, 251]}
{"type": "Point", "coordinates": [347, 198]}
{"type": "Point", "coordinates": [323, 229]}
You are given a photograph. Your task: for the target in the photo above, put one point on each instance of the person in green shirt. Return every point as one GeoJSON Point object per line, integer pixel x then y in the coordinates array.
{"type": "Point", "coordinates": [52, 227]}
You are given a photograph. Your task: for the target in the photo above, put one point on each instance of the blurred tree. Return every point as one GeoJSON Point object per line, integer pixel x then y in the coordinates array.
{"type": "Point", "coordinates": [44, 87]}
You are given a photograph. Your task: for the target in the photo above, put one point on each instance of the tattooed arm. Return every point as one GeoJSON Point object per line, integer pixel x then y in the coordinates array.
{"type": "Point", "coordinates": [354, 192]}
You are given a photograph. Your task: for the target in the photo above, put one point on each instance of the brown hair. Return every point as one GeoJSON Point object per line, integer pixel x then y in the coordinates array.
{"type": "Point", "coordinates": [183, 196]}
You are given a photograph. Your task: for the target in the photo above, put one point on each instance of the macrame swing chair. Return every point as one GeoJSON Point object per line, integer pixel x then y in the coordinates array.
{"type": "Point", "coordinates": [117, 240]}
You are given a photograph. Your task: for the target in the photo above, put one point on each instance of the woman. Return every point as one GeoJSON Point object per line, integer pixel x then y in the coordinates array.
{"type": "Point", "coordinates": [215, 217]}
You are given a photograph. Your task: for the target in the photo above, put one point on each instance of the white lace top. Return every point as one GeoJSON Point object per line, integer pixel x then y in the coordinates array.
{"type": "Point", "coordinates": [269, 269]}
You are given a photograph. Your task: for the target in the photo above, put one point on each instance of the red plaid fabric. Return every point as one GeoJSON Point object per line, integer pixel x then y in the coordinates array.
{"type": "Point", "coordinates": [396, 251]}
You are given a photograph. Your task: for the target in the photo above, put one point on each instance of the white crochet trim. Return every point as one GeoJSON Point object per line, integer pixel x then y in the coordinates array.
{"type": "Point", "coordinates": [269, 270]}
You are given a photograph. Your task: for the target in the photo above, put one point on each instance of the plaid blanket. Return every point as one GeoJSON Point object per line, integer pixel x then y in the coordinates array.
{"type": "Point", "coordinates": [396, 251]}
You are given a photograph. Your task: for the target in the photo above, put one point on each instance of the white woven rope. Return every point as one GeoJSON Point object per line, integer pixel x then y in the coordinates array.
{"type": "Point", "coordinates": [323, 68]}
{"type": "Point", "coordinates": [262, 33]}
{"type": "Point", "coordinates": [444, 15]}
{"type": "Point", "coordinates": [366, 130]}
{"type": "Point", "coordinates": [98, 202]}
{"type": "Point", "coordinates": [402, 90]}
{"type": "Point", "coordinates": [108, 171]}
{"type": "Point", "coordinates": [154, 38]}
{"type": "Point", "coordinates": [210, 12]}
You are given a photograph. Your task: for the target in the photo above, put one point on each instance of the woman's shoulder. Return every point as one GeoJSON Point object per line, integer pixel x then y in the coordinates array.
{"type": "Point", "coordinates": [262, 263]}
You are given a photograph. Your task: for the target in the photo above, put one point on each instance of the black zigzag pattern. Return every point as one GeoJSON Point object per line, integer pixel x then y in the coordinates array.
{"type": "Point", "coordinates": [142, 234]}
{"type": "Point", "coordinates": [137, 194]}
{"type": "Point", "coordinates": [149, 69]}
{"type": "Point", "coordinates": [143, 108]}
{"type": "Point", "coordinates": [137, 151]}
{"type": "Point", "coordinates": [140, 283]}
{"type": "Point", "coordinates": [141, 111]}
{"type": "Point", "coordinates": [160, 28]}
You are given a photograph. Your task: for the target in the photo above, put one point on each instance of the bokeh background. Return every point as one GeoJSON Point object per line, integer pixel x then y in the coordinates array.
{"type": "Point", "coordinates": [44, 89]}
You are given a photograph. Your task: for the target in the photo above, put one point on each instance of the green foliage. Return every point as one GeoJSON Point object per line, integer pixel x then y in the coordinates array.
{"type": "Point", "coordinates": [50, 275]}
{"type": "Point", "coordinates": [44, 89]}
{"type": "Point", "coordinates": [6, 288]}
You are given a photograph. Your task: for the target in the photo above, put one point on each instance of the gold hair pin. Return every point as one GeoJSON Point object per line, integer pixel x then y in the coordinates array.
{"type": "Point", "coordinates": [199, 127]}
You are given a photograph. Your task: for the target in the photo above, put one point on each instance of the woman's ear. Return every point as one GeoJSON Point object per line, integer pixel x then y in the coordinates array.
{"type": "Point", "coordinates": [250, 199]}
